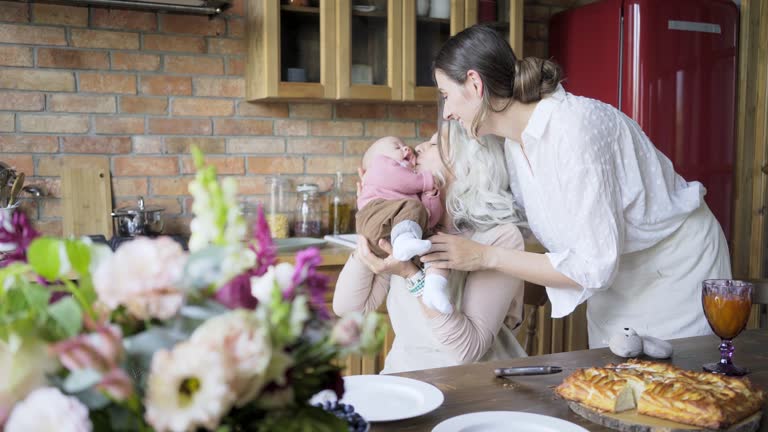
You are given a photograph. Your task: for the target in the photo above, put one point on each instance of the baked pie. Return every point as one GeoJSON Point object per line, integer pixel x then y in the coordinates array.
{"type": "Point", "coordinates": [664, 391]}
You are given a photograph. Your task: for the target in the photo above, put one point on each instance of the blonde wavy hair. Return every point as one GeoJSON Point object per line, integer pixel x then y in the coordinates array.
{"type": "Point", "coordinates": [478, 197]}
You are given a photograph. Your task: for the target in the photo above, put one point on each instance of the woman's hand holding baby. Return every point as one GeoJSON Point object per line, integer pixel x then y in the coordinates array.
{"type": "Point", "coordinates": [388, 265]}
{"type": "Point", "coordinates": [457, 253]}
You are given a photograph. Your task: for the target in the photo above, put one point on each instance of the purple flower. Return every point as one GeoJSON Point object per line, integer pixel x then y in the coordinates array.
{"type": "Point", "coordinates": [17, 231]}
{"type": "Point", "coordinates": [337, 385]}
{"type": "Point", "coordinates": [237, 292]}
{"type": "Point", "coordinates": [306, 274]}
{"type": "Point", "coordinates": [56, 295]}
{"type": "Point", "coordinates": [264, 246]}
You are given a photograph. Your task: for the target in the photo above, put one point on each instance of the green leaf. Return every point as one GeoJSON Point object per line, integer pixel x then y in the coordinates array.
{"type": "Point", "coordinates": [43, 256]}
{"type": "Point", "coordinates": [81, 380]}
{"type": "Point", "coordinates": [203, 268]}
{"type": "Point", "coordinates": [37, 298]}
{"type": "Point", "coordinates": [12, 276]}
{"type": "Point", "coordinates": [67, 314]}
{"type": "Point", "coordinates": [87, 289]}
{"type": "Point", "coordinates": [79, 255]}
{"type": "Point", "coordinates": [301, 419]}
{"type": "Point", "coordinates": [16, 301]}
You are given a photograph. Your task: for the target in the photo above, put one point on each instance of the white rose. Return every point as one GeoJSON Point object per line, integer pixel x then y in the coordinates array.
{"type": "Point", "coordinates": [49, 410]}
{"type": "Point", "coordinates": [263, 286]}
{"type": "Point", "coordinates": [144, 275]}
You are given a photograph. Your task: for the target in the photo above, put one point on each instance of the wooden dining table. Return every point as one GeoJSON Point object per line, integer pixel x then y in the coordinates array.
{"type": "Point", "coordinates": [473, 388]}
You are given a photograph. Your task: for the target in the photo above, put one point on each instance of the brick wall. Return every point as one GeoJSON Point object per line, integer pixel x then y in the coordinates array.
{"type": "Point", "coordinates": [78, 83]}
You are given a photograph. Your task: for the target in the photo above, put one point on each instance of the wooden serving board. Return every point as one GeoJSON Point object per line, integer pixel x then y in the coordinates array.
{"type": "Point", "coordinates": [631, 421]}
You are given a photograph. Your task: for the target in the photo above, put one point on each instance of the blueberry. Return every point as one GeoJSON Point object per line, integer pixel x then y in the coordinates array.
{"type": "Point", "coordinates": [349, 409]}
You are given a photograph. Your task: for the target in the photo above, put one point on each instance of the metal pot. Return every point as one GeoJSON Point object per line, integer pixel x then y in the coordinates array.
{"type": "Point", "coordinates": [136, 221]}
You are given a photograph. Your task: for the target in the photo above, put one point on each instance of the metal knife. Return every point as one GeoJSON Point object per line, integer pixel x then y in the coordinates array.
{"type": "Point", "coordinates": [527, 370]}
{"type": "Point", "coordinates": [543, 370]}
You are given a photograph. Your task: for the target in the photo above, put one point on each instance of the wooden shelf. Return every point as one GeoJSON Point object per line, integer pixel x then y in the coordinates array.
{"type": "Point", "coordinates": [374, 14]}
{"type": "Point", "coordinates": [305, 10]}
{"type": "Point", "coordinates": [426, 19]}
{"type": "Point", "coordinates": [499, 25]}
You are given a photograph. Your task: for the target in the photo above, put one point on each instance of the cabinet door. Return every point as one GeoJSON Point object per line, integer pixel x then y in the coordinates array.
{"type": "Point", "coordinates": [368, 61]}
{"type": "Point", "coordinates": [291, 49]}
{"type": "Point", "coordinates": [506, 16]}
{"type": "Point", "coordinates": [427, 25]}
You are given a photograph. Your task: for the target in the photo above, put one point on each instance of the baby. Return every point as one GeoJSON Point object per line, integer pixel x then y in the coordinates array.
{"type": "Point", "coordinates": [399, 202]}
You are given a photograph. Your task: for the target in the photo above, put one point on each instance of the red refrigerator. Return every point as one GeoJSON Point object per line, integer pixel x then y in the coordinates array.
{"type": "Point", "coordinates": [671, 66]}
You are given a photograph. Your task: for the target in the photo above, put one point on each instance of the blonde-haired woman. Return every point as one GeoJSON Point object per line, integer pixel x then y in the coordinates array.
{"type": "Point", "coordinates": [625, 232]}
{"type": "Point", "coordinates": [484, 301]}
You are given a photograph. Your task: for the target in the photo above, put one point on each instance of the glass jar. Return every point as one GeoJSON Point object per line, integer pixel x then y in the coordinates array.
{"type": "Point", "coordinates": [277, 210]}
{"type": "Point", "coordinates": [309, 221]}
{"type": "Point", "coordinates": [339, 209]}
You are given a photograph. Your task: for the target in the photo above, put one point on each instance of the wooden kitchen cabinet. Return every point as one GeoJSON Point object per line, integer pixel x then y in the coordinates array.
{"type": "Point", "coordinates": [506, 16]}
{"type": "Point", "coordinates": [423, 35]}
{"type": "Point", "coordinates": [375, 50]}
{"type": "Point", "coordinates": [368, 50]}
{"type": "Point", "coordinates": [291, 50]}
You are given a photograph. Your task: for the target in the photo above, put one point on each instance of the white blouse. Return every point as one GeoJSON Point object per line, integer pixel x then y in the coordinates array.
{"type": "Point", "coordinates": [593, 187]}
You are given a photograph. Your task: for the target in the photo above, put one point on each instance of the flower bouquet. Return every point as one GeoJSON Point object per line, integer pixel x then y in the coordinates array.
{"type": "Point", "coordinates": [151, 337]}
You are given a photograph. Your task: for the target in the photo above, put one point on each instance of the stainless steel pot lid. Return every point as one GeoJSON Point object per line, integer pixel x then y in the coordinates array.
{"type": "Point", "coordinates": [123, 211]}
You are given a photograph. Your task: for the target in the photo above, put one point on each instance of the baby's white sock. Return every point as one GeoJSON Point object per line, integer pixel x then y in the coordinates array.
{"type": "Point", "coordinates": [407, 242]}
{"type": "Point", "coordinates": [435, 294]}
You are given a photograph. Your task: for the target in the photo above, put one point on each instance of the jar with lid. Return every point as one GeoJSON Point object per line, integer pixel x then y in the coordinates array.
{"type": "Point", "coordinates": [277, 211]}
{"type": "Point", "coordinates": [308, 222]}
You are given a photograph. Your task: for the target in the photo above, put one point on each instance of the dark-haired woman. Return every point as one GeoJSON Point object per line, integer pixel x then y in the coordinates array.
{"type": "Point", "coordinates": [625, 232]}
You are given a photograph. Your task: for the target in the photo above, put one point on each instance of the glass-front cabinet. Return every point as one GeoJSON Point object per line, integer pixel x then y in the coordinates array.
{"type": "Point", "coordinates": [427, 24]}
{"type": "Point", "coordinates": [506, 16]}
{"type": "Point", "coordinates": [377, 50]}
{"type": "Point", "coordinates": [368, 57]}
{"type": "Point", "coordinates": [291, 47]}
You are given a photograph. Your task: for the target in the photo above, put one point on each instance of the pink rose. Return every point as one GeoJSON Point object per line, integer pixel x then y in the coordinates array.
{"type": "Point", "coordinates": [100, 350]}
{"type": "Point", "coordinates": [346, 332]}
{"type": "Point", "coordinates": [117, 384]}
{"type": "Point", "coordinates": [142, 275]}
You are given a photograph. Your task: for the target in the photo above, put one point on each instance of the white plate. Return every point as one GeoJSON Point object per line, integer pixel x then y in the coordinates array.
{"type": "Point", "coordinates": [380, 398]}
{"type": "Point", "coordinates": [503, 421]}
{"type": "Point", "coordinates": [348, 240]}
{"type": "Point", "coordinates": [296, 243]}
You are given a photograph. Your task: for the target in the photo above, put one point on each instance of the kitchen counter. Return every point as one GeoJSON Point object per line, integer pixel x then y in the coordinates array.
{"type": "Point", "coordinates": [332, 254]}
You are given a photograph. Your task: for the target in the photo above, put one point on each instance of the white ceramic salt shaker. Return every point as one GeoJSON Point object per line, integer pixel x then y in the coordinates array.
{"type": "Point", "coordinates": [626, 343]}
{"type": "Point", "coordinates": [656, 348]}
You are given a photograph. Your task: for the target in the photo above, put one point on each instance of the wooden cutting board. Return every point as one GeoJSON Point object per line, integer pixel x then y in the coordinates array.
{"type": "Point", "coordinates": [631, 421]}
{"type": "Point", "coordinates": [87, 199]}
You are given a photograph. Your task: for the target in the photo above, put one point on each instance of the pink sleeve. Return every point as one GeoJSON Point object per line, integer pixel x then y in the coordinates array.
{"type": "Point", "coordinates": [389, 174]}
{"type": "Point", "coordinates": [434, 206]}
